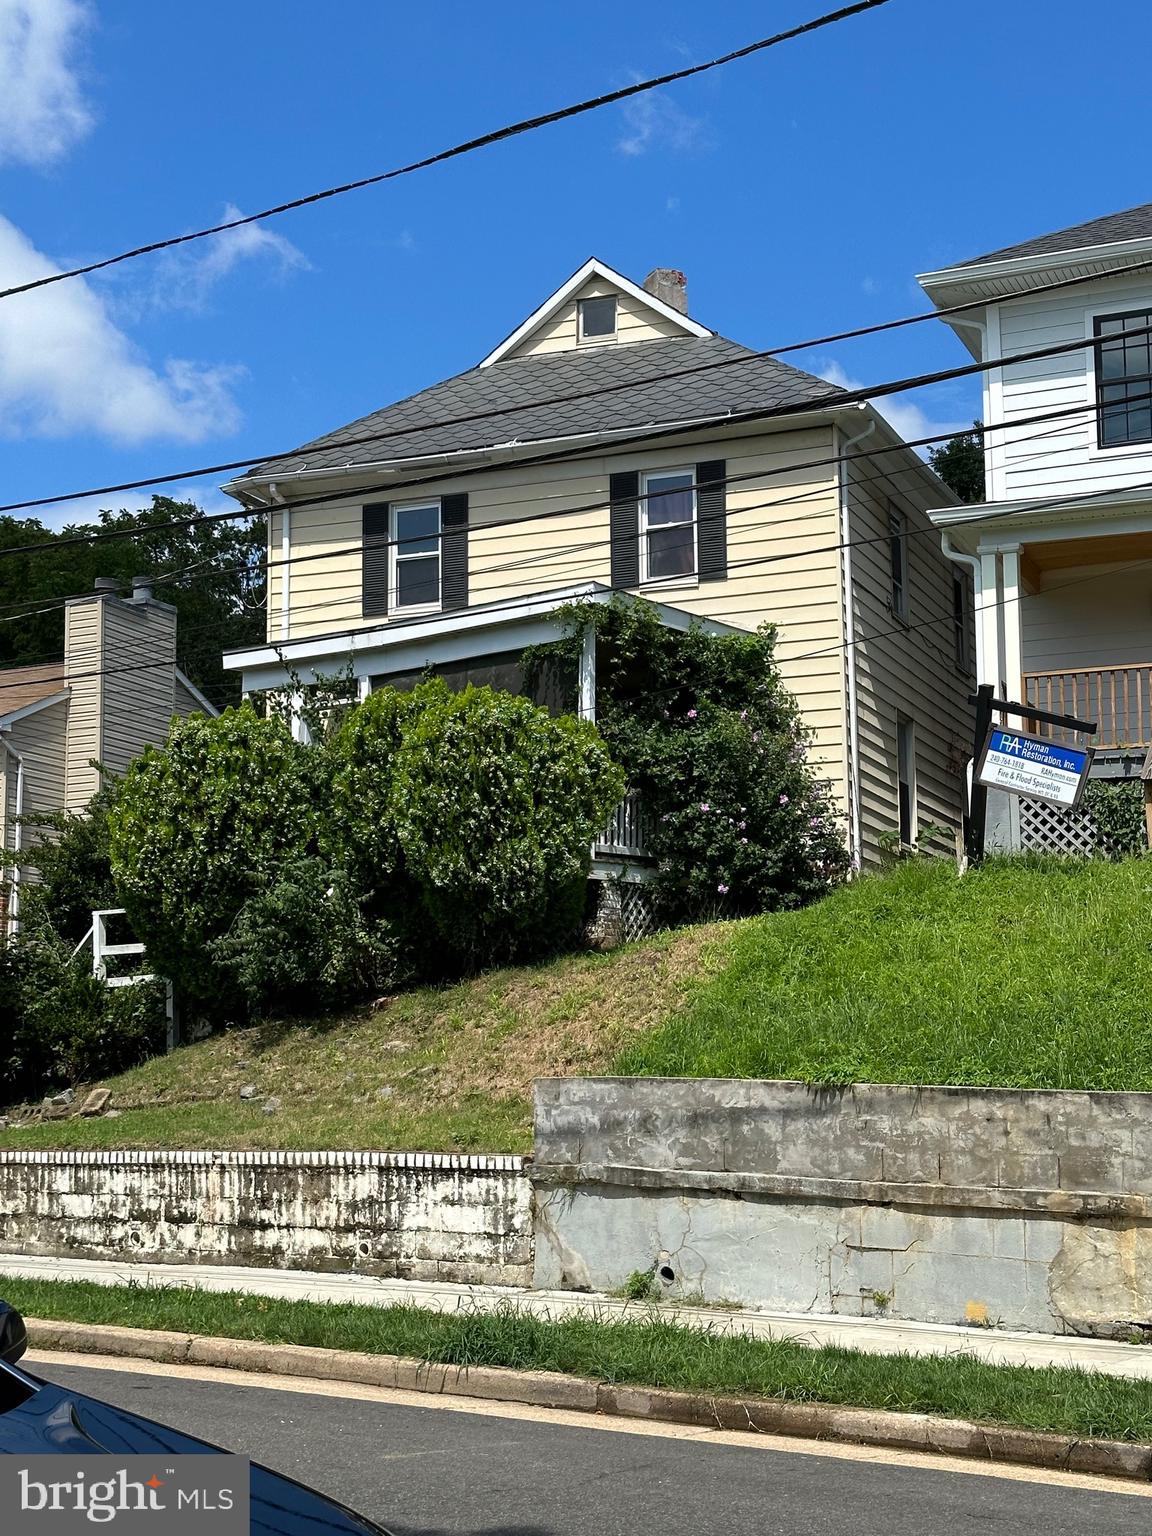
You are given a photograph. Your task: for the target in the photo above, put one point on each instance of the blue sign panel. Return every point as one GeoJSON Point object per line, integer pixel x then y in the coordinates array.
{"type": "Point", "coordinates": [1032, 766]}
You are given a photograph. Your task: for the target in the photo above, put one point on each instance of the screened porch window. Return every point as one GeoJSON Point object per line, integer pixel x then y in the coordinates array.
{"type": "Point", "coordinates": [668, 526]}
{"type": "Point", "coordinates": [1123, 378]}
{"type": "Point", "coordinates": [416, 555]}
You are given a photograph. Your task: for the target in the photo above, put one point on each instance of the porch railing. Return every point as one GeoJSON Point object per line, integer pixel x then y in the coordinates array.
{"type": "Point", "coordinates": [627, 831]}
{"type": "Point", "coordinates": [1118, 698]}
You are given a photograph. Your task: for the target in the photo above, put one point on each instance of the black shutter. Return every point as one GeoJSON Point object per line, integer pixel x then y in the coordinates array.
{"type": "Point", "coordinates": [624, 528]}
{"type": "Point", "coordinates": [375, 558]}
{"type": "Point", "coordinates": [454, 551]}
{"type": "Point", "coordinates": [712, 519]}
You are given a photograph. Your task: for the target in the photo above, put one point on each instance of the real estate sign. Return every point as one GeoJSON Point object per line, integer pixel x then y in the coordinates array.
{"type": "Point", "coordinates": [1030, 765]}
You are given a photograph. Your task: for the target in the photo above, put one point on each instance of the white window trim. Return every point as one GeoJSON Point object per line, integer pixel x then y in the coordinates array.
{"type": "Point", "coordinates": [906, 730]}
{"type": "Point", "coordinates": [606, 337]}
{"type": "Point", "coordinates": [1116, 450]}
{"type": "Point", "coordinates": [396, 558]}
{"type": "Point", "coordinates": [688, 577]}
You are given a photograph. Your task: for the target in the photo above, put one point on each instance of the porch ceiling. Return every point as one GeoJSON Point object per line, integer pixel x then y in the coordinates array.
{"type": "Point", "coordinates": [1100, 549]}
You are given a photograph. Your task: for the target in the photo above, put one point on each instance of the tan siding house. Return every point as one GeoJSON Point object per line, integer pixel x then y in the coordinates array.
{"type": "Point", "coordinates": [614, 445]}
{"type": "Point", "coordinates": [115, 690]}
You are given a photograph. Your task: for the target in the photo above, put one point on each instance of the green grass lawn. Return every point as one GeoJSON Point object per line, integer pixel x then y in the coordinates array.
{"type": "Point", "coordinates": [1022, 974]}
{"type": "Point", "coordinates": [649, 1352]}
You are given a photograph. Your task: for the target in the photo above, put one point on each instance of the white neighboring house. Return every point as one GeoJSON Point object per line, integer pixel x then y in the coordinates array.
{"type": "Point", "coordinates": [1062, 547]}
{"type": "Point", "coordinates": [114, 691]}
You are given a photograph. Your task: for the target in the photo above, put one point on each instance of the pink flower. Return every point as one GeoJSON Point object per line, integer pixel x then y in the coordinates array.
{"type": "Point", "coordinates": [744, 840]}
{"type": "Point", "coordinates": [783, 799]}
{"type": "Point", "coordinates": [691, 715]}
{"type": "Point", "coordinates": [723, 889]}
{"type": "Point", "coordinates": [704, 806]}
{"type": "Point", "coordinates": [744, 828]}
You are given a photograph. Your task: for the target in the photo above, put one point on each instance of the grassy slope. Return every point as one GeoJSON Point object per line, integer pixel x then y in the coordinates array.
{"type": "Point", "coordinates": [1020, 975]}
{"type": "Point", "coordinates": [439, 1069]}
{"type": "Point", "coordinates": [650, 1352]}
{"type": "Point", "coordinates": [1032, 975]}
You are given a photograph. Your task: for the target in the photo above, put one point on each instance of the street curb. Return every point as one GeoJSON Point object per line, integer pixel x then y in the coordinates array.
{"type": "Point", "coordinates": [546, 1389]}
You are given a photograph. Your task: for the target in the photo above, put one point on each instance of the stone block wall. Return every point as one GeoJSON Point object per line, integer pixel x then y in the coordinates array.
{"type": "Point", "coordinates": [415, 1216]}
{"type": "Point", "coordinates": [1030, 1210]}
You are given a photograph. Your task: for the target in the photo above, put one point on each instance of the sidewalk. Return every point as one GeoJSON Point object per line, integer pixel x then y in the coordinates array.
{"type": "Point", "coordinates": [872, 1335]}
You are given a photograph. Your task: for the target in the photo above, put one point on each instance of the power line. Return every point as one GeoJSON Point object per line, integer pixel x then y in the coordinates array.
{"type": "Point", "coordinates": [496, 136]}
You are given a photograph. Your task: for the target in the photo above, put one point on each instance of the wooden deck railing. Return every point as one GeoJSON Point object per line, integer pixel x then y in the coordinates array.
{"type": "Point", "coordinates": [627, 831]}
{"type": "Point", "coordinates": [1119, 699]}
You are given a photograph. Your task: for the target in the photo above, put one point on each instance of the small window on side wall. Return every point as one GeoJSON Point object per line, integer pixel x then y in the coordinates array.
{"type": "Point", "coordinates": [668, 526]}
{"type": "Point", "coordinates": [416, 555]}
{"type": "Point", "coordinates": [960, 618]}
{"type": "Point", "coordinates": [898, 559]}
{"type": "Point", "coordinates": [596, 318]}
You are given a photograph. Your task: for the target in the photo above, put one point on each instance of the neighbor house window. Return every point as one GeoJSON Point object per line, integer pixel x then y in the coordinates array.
{"type": "Point", "coordinates": [597, 318]}
{"type": "Point", "coordinates": [1123, 379]}
{"type": "Point", "coordinates": [668, 525]}
{"type": "Point", "coordinates": [960, 610]}
{"type": "Point", "coordinates": [898, 558]}
{"type": "Point", "coordinates": [416, 555]}
{"type": "Point", "coordinates": [906, 778]}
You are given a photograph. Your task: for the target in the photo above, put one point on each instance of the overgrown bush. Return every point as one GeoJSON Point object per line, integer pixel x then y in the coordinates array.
{"type": "Point", "coordinates": [59, 1024]}
{"type": "Point", "coordinates": [1117, 810]}
{"type": "Point", "coordinates": [494, 805]}
{"type": "Point", "coordinates": [204, 824]}
{"type": "Point", "coordinates": [714, 742]}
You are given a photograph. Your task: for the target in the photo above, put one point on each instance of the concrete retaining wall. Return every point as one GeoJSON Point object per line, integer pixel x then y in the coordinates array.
{"type": "Point", "coordinates": [415, 1216]}
{"type": "Point", "coordinates": [1030, 1210]}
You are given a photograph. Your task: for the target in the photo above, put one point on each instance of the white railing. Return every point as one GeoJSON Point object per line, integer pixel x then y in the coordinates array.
{"type": "Point", "coordinates": [627, 831]}
{"type": "Point", "coordinates": [102, 952]}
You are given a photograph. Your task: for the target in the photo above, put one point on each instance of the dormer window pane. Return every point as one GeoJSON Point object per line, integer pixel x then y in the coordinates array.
{"type": "Point", "coordinates": [597, 317]}
{"type": "Point", "coordinates": [1124, 379]}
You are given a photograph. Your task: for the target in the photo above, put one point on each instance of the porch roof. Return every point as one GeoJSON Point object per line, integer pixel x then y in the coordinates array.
{"type": "Point", "coordinates": [409, 645]}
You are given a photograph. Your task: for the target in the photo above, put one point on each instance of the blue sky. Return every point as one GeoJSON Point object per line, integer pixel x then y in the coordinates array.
{"type": "Point", "coordinates": [800, 191]}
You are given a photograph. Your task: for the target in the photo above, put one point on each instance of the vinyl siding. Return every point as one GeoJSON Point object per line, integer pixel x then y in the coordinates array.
{"type": "Point", "coordinates": [139, 657]}
{"type": "Point", "coordinates": [83, 648]}
{"type": "Point", "coordinates": [1066, 458]}
{"type": "Point", "coordinates": [907, 670]}
{"type": "Point", "coordinates": [782, 535]}
{"type": "Point", "coordinates": [41, 740]}
{"type": "Point", "coordinates": [185, 703]}
{"type": "Point", "coordinates": [1092, 617]}
{"type": "Point", "coordinates": [634, 322]}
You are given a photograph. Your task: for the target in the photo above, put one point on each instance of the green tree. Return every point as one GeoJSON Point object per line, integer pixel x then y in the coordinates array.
{"type": "Point", "coordinates": [960, 463]}
{"type": "Point", "coordinates": [210, 572]}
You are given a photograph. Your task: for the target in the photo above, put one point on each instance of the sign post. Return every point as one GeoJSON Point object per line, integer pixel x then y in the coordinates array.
{"type": "Point", "coordinates": [1021, 763]}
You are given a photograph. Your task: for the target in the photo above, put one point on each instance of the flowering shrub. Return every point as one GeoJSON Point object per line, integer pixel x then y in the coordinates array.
{"type": "Point", "coordinates": [709, 735]}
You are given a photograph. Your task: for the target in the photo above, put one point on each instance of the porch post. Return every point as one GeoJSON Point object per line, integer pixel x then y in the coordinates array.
{"type": "Point", "coordinates": [1013, 623]}
{"type": "Point", "coordinates": [587, 675]}
{"type": "Point", "coordinates": [988, 619]}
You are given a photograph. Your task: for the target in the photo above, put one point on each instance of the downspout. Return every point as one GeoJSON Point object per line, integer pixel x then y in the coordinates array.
{"type": "Point", "coordinates": [855, 832]}
{"type": "Point", "coordinates": [275, 499]}
{"type": "Point", "coordinates": [972, 563]}
{"type": "Point", "coordinates": [17, 836]}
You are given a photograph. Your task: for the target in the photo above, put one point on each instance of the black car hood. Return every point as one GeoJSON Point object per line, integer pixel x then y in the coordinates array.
{"type": "Point", "coordinates": [50, 1419]}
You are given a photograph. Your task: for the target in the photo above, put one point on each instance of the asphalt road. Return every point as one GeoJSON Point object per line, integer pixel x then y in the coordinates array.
{"type": "Point", "coordinates": [427, 1471]}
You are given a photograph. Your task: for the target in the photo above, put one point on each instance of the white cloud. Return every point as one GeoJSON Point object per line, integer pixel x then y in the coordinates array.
{"type": "Point", "coordinates": [42, 108]}
{"type": "Point", "coordinates": [86, 509]}
{"type": "Point", "coordinates": [903, 414]}
{"type": "Point", "coordinates": [185, 277]}
{"type": "Point", "coordinates": [654, 121]}
{"type": "Point", "coordinates": [65, 367]}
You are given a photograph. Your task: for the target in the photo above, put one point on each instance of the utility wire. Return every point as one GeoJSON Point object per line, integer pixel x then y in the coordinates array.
{"type": "Point", "coordinates": [496, 136]}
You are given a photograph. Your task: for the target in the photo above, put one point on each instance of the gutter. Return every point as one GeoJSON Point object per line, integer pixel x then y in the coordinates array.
{"type": "Point", "coordinates": [855, 833]}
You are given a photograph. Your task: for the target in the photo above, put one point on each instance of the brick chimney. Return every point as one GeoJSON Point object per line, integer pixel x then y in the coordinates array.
{"type": "Point", "coordinates": [669, 285]}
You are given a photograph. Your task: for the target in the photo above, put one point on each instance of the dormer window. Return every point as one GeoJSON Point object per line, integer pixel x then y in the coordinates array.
{"type": "Point", "coordinates": [597, 318]}
{"type": "Point", "coordinates": [1124, 378]}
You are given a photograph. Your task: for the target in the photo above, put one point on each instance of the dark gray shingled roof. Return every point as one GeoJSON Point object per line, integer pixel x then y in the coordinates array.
{"type": "Point", "coordinates": [1132, 224]}
{"type": "Point", "coordinates": [523, 383]}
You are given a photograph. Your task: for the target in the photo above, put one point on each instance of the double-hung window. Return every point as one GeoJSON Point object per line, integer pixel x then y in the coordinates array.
{"type": "Point", "coordinates": [416, 555]}
{"type": "Point", "coordinates": [1123, 378]}
{"type": "Point", "coordinates": [668, 525]}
